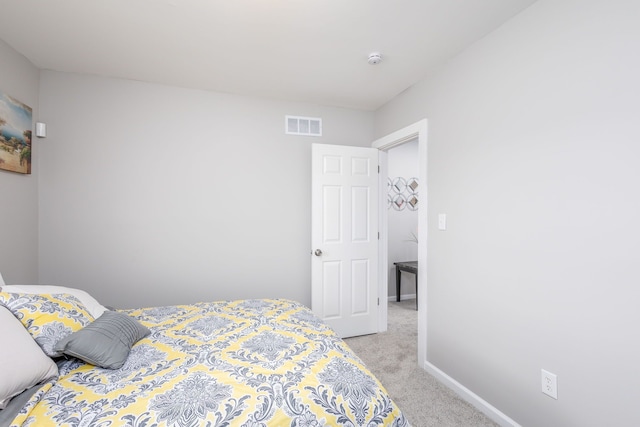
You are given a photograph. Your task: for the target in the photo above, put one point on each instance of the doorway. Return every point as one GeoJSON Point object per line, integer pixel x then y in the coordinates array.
{"type": "Point", "coordinates": [415, 131]}
{"type": "Point", "coordinates": [403, 202]}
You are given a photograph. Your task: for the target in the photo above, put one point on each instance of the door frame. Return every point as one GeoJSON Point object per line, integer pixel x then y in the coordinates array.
{"type": "Point", "coordinates": [417, 130]}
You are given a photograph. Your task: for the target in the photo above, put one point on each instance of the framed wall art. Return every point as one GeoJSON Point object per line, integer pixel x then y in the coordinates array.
{"type": "Point", "coordinates": [15, 135]}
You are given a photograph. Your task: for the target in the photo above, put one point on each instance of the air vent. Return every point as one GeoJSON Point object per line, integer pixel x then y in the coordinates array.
{"type": "Point", "coordinates": [309, 126]}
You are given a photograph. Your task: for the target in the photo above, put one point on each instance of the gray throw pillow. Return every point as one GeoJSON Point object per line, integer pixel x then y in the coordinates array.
{"type": "Point", "coordinates": [105, 342]}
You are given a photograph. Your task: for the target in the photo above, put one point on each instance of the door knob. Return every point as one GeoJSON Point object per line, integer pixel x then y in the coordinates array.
{"type": "Point", "coordinates": [318, 252]}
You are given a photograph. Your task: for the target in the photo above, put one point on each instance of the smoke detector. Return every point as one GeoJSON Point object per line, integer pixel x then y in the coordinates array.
{"type": "Point", "coordinates": [374, 58]}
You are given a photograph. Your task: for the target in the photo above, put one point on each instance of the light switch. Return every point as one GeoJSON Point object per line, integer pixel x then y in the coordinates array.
{"type": "Point", "coordinates": [442, 221]}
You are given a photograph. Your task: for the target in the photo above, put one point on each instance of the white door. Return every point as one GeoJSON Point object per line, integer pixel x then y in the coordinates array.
{"type": "Point", "coordinates": [344, 238]}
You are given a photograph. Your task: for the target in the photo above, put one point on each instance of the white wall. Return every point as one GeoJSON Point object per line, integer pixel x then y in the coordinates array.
{"type": "Point", "coordinates": [402, 161]}
{"type": "Point", "coordinates": [534, 149]}
{"type": "Point", "coordinates": [19, 192]}
{"type": "Point", "coordinates": [156, 195]}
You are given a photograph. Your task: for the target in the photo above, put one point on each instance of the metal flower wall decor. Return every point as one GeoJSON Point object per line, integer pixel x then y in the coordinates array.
{"type": "Point", "coordinates": [402, 193]}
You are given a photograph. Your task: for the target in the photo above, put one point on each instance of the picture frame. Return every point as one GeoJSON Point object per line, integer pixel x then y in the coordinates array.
{"type": "Point", "coordinates": [16, 120]}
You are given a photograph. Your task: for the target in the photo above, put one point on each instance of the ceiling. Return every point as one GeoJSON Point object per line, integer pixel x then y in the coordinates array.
{"type": "Point", "coordinates": [312, 51]}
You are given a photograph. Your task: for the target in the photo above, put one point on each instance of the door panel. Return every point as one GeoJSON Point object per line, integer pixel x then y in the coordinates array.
{"type": "Point", "coordinates": [331, 208]}
{"type": "Point", "coordinates": [332, 286]}
{"type": "Point", "coordinates": [360, 283]}
{"type": "Point", "coordinates": [344, 229]}
{"type": "Point", "coordinates": [360, 214]}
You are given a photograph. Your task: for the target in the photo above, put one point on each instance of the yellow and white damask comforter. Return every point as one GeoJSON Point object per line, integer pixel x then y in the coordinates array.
{"type": "Point", "coordinates": [240, 363]}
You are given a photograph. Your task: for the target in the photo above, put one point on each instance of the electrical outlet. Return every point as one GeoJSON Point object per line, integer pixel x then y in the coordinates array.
{"type": "Point", "coordinates": [550, 384]}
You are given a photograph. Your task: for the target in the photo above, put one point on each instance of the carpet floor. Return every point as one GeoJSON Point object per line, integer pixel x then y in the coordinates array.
{"type": "Point", "coordinates": [392, 356]}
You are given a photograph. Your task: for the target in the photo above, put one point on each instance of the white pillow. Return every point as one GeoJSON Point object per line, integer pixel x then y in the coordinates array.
{"type": "Point", "coordinates": [90, 303]}
{"type": "Point", "coordinates": [1, 280]}
{"type": "Point", "coordinates": [22, 362]}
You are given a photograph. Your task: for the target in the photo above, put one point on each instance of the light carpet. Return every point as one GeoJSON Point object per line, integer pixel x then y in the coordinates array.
{"type": "Point", "coordinates": [393, 357]}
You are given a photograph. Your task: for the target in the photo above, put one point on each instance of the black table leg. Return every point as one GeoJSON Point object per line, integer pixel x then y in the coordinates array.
{"type": "Point", "coordinates": [397, 283]}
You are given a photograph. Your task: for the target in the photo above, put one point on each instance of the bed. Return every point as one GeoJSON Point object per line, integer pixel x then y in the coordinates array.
{"type": "Point", "coordinates": [227, 363]}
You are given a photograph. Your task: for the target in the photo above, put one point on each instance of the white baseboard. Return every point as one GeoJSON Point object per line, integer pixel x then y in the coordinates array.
{"type": "Point", "coordinates": [402, 297]}
{"type": "Point", "coordinates": [469, 396]}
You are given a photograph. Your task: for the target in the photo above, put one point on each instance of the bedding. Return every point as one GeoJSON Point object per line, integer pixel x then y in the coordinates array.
{"type": "Point", "coordinates": [237, 363]}
{"type": "Point", "coordinates": [22, 362]}
{"type": "Point", "coordinates": [48, 318]}
{"type": "Point", "coordinates": [14, 406]}
{"type": "Point", "coordinates": [106, 342]}
{"type": "Point", "coordinates": [90, 303]}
